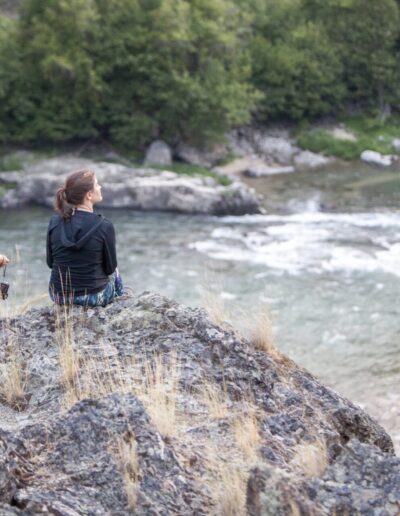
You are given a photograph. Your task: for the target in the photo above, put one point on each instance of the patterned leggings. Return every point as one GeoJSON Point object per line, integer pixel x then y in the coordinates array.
{"type": "Point", "coordinates": [115, 288]}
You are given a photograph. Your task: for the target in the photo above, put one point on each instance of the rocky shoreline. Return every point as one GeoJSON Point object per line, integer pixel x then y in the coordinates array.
{"type": "Point", "coordinates": [141, 188]}
{"type": "Point", "coordinates": [151, 186]}
{"type": "Point", "coordinates": [263, 152]}
{"type": "Point", "coordinates": [149, 407]}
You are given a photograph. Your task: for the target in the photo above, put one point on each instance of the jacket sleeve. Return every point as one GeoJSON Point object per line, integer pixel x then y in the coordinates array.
{"type": "Point", "coordinates": [109, 250]}
{"type": "Point", "coordinates": [49, 252]}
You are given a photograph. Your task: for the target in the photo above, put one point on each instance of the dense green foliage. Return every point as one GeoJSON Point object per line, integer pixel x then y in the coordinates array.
{"type": "Point", "coordinates": [131, 71]}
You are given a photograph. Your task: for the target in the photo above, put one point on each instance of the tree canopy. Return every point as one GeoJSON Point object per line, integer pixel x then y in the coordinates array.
{"type": "Point", "coordinates": [134, 70]}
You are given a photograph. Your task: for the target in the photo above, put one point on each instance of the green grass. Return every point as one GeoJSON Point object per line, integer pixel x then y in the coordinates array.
{"type": "Point", "coordinates": [371, 134]}
{"type": "Point", "coordinates": [10, 162]}
{"type": "Point", "coordinates": [15, 161]}
{"type": "Point", "coordinates": [194, 170]}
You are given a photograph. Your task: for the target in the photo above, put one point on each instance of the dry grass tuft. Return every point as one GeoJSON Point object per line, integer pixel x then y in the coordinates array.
{"type": "Point", "coordinates": [127, 458]}
{"type": "Point", "coordinates": [13, 381]}
{"type": "Point", "coordinates": [229, 491]}
{"type": "Point", "coordinates": [311, 458]}
{"type": "Point", "coordinates": [247, 437]}
{"type": "Point", "coordinates": [226, 477]}
{"type": "Point", "coordinates": [159, 392]}
{"type": "Point", "coordinates": [261, 333]}
{"type": "Point", "coordinates": [294, 507]}
{"type": "Point", "coordinates": [215, 307]}
{"type": "Point", "coordinates": [155, 383]}
{"type": "Point", "coordinates": [68, 354]}
{"type": "Point", "coordinates": [215, 400]}
{"type": "Point", "coordinates": [13, 376]}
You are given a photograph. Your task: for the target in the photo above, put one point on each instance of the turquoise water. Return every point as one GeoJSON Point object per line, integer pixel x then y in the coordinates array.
{"type": "Point", "coordinates": [324, 262]}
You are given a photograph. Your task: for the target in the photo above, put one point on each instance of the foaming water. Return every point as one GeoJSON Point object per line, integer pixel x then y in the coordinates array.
{"type": "Point", "coordinates": [314, 242]}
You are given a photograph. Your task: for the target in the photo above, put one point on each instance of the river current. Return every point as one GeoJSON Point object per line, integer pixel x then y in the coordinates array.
{"type": "Point", "coordinates": [324, 261]}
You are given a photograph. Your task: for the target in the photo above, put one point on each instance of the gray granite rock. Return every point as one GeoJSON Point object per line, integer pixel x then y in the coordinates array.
{"type": "Point", "coordinates": [158, 153]}
{"type": "Point", "coordinates": [358, 480]}
{"type": "Point", "coordinates": [62, 461]}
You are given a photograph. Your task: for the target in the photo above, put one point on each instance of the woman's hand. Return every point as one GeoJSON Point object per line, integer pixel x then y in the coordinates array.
{"type": "Point", "coordinates": [3, 260]}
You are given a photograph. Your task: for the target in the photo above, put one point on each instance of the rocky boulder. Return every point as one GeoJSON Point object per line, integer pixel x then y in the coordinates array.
{"type": "Point", "coordinates": [396, 145]}
{"type": "Point", "coordinates": [274, 146]}
{"type": "Point", "coordinates": [158, 153]}
{"type": "Point", "coordinates": [306, 160]}
{"type": "Point", "coordinates": [132, 188]}
{"type": "Point", "coordinates": [148, 406]}
{"type": "Point", "coordinates": [273, 151]}
{"type": "Point", "coordinates": [201, 157]}
{"type": "Point", "coordinates": [377, 159]}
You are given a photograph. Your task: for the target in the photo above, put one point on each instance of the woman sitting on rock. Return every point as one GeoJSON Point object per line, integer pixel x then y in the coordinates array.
{"type": "Point", "coordinates": [81, 246]}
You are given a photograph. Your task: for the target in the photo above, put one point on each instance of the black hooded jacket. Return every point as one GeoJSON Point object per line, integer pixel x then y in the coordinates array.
{"type": "Point", "coordinates": [81, 253]}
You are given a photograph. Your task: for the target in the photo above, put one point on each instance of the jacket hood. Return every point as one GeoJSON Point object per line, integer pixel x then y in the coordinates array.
{"type": "Point", "coordinates": [75, 233]}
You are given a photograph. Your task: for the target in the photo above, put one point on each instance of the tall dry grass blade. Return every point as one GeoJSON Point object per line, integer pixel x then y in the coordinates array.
{"type": "Point", "coordinates": [311, 459]}
{"type": "Point", "coordinates": [214, 306]}
{"type": "Point", "coordinates": [261, 333]}
{"type": "Point", "coordinates": [127, 458]}
{"type": "Point", "coordinates": [13, 377]}
{"type": "Point", "coordinates": [69, 359]}
{"type": "Point", "coordinates": [247, 436]}
{"type": "Point", "coordinates": [159, 393]}
{"type": "Point", "coordinates": [30, 302]}
{"type": "Point", "coordinates": [215, 400]}
{"type": "Point", "coordinates": [229, 492]}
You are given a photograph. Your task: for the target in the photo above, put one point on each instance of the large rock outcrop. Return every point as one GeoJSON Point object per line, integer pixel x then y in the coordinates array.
{"type": "Point", "coordinates": [132, 188]}
{"type": "Point", "coordinates": [148, 407]}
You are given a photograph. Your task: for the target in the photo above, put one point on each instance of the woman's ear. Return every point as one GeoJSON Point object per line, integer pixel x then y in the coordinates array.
{"type": "Point", "coordinates": [89, 196]}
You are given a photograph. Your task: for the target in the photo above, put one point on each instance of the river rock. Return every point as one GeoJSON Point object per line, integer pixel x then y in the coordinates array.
{"type": "Point", "coordinates": [251, 166]}
{"type": "Point", "coordinates": [396, 145]}
{"type": "Point", "coordinates": [60, 454]}
{"type": "Point", "coordinates": [266, 170]}
{"type": "Point", "coordinates": [377, 159]}
{"type": "Point", "coordinates": [206, 158]}
{"type": "Point", "coordinates": [158, 153]}
{"type": "Point", "coordinates": [310, 160]}
{"type": "Point", "coordinates": [280, 150]}
{"type": "Point", "coordinates": [132, 188]}
{"type": "Point", "coordinates": [275, 146]}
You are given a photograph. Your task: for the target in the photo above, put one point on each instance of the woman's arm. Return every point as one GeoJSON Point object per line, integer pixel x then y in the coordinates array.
{"type": "Point", "coordinates": [109, 250]}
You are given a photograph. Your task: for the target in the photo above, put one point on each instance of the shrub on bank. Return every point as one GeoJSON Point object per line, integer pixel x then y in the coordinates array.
{"type": "Point", "coordinates": [370, 134]}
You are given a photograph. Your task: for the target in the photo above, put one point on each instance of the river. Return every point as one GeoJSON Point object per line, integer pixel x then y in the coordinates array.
{"type": "Point", "coordinates": [324, 262]}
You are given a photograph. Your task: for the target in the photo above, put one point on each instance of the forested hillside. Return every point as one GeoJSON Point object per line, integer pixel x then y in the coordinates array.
{"type": "Point", "coordinates": [134, 70]}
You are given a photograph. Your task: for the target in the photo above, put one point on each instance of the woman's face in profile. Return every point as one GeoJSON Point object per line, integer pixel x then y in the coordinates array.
{"type": "Point", "coordinates": [96, 192]}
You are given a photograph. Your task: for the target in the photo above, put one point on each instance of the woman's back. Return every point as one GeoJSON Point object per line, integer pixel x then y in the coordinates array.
{"type": "Point", "coordinates": [81, 253]}
{"type": "Point", "coordinates": [81, 246]}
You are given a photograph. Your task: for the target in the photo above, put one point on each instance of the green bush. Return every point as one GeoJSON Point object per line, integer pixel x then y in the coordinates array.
{"type": "Point", "coordinates": [371, 134]}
